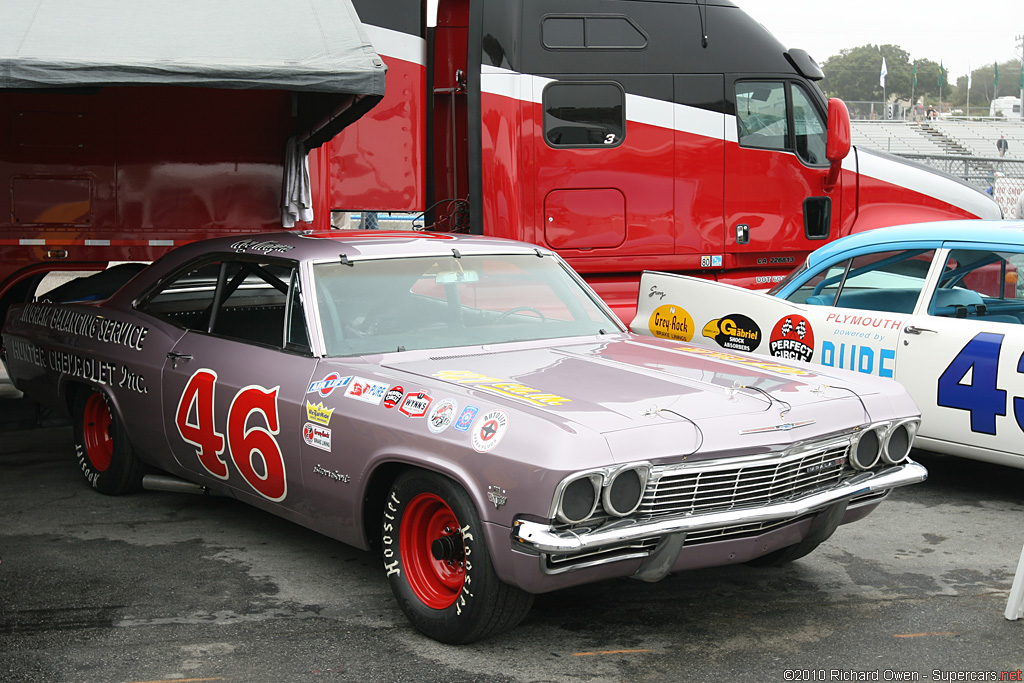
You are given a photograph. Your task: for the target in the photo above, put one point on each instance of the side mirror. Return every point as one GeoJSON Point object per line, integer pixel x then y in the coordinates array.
{"type": "Point", "coordinates": [837, 146]}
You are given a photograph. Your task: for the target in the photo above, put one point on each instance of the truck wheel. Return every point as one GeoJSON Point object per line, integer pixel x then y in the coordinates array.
{"type": "Point", "coordinates": [438, 563]}
{"type": "Point", "coordinates": [101, 445]}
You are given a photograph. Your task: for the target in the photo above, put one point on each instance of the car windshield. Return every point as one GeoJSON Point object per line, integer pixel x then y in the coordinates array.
{"type": "Point", "coordinates": [401, 304]}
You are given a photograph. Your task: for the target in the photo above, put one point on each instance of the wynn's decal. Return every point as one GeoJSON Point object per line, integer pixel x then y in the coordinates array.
{"type": "Point", "coordinates": [415, 405]}
{"type": "Point", "coordinates": [669, 321]}
{"type": "Point", "coordinates": [102, 329]}
{"type": "Point", "coordinates": [502, 387]}
{"type": "Point", "coordinates": [735, 331]}
{"type": "Point", "coordinates": [318, 413]}
{"type": "Point", "coordinates": [489, 430]}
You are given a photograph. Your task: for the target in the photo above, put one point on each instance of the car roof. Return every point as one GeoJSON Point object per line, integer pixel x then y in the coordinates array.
{"type": "Point", "coordinates": [935, 233]}
{"type": "Point", "coordinates": [354, 244]}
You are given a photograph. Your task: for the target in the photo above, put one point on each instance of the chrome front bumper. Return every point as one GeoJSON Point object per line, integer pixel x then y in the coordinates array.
{"type": "Point", "coordinates": [541, 538]}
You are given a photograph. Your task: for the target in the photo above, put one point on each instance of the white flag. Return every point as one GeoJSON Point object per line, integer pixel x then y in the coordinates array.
{"type": "Point", "coordinates": [881, 78]}
{"type": "Point", "coordinates": [969, 75]}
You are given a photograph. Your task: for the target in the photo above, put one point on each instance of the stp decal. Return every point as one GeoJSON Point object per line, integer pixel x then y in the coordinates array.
{"type": "Point", "coordinates": [366, 390]}
{"type": "Point", "coordinates": [466, 418]}
{"type": "Point", "coordinates": [793, 338]}
{"type": "Point", "coordinates": [489, 430]}
{"type": "Point", "coordinates": [318, 413]}
{"type": "Point", "coordinates": [393, 397]}
{"type": "Point", "coordinates": [736, 332]}
{"type": "Point", "coordinates": [442, 415]}
{"type": "Point", "coordinates": [317, 436]}
{"type": "Point", "coordinates": [671, 322]}
{"type": "Point", "coordinates": [415, 405]}
{"type": "Point", "coordinates": [326, 386]}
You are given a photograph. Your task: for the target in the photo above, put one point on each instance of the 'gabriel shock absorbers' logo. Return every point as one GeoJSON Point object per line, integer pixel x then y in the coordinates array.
{"type": "Point", "coordinates": [792, 337]}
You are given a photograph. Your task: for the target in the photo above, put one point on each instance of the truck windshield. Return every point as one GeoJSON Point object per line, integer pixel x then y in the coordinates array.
{"type": "Point", "coordinates": [402, 304]}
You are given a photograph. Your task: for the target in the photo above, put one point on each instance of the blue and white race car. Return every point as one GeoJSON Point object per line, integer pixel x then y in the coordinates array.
{"type": "Point", "coordinates": [939, 307]}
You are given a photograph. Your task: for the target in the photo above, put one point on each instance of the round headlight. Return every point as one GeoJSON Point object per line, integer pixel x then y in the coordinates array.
{"type": "Point", "coordinates": [624, 492]}
{"type": "Point", "coordinates": [579, 499]}
{"type": "Point", "coordinates": [899, 442]}
{"type": "Point", "coordinates": [865, 450]}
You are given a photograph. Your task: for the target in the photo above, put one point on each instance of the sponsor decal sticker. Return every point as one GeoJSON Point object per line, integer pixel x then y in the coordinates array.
{"type": "Point", "coordinates": [749, 361]}
{"type": "Point", "coordinates": [466, 418]}
{"type": "Point", "coordinates": [442, 415]}
{"type": "Point", "coordinates": [318, 413]}
{"type": "Point", "coordinates": [489, 429]}
{"type": "Point", "coordinates": [415, 405]}
{"type": "Point", "coordinates": [736, 332]}
{"type": "Point", "coordinates": [393, 397]}
{"type": "Point", "coordinates": [262, 246]}
{"type": "Point", "coordinates": [317, 436]}
{"type": "Point", "coordinates": [326, 386]}
{"type": "Point", "coordinates": [502, 387]}
{"type": "Point", "coordinates": [366, 390]}
{"type": "Point", "coordinates": [793, 338]}
{"type": "Point", "coordinates": [671, 322]}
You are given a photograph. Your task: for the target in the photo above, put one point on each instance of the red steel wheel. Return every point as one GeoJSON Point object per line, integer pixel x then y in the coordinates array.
{"type": "Point", "coordinates": [438, 563]}
{"type": "Point", "coordinates": [436, 582]}
{"type": "Point", "coordinates": [105, 455]}
{"type": "Point", "coordinates": [96, 432]}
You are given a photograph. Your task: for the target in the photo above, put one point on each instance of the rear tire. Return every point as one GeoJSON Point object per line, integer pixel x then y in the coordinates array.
{"type": "Point", "coordinates": [438, 563]}
{"type": "Point", "coordinates": [104, 453]}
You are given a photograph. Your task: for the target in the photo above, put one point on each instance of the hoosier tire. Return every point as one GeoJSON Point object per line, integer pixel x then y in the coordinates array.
{"type": "Point", "coordinates": [101, 445]}
{"type": "Point", "coordinates": [438, 564]}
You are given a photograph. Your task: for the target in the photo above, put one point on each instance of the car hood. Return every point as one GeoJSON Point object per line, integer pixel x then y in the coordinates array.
{"type": "Point", "coordinates": [621, 382]}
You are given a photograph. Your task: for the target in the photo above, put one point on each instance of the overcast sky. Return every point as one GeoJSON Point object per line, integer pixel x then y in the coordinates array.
{"type": "Point", "coordinates": [954, 33]}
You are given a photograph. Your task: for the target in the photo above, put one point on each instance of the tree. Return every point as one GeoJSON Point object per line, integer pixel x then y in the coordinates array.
{"type": "Point", "coordinates": [854, 73]}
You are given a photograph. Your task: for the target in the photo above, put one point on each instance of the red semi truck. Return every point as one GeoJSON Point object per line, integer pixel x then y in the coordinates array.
{"type": "Point", "coordinates": [676, 135]}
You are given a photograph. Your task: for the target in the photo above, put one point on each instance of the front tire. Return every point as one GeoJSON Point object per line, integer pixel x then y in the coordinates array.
{"type": "Point", "coordinates": [438, 563]}
{"type": "Point", "coordinates": [104, 453]}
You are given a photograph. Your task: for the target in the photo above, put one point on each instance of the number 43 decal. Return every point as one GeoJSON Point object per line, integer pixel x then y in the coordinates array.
{"type": "Point", "coordinates": [245, 444]}
{"type": "Point", "coordinates": [981, 398]}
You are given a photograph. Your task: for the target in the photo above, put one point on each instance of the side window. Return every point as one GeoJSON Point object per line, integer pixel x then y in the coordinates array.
{"type": "Point", "coordinates": [593, 32]}
{"type": "Point", "coordinates": [808, 128]}
{"type": "Point", "coordinates": [250, 301]}
{"type": "Point", "coordinates": [761, 115]}
{"type": "Point", "coordinates": [978, 283]}
{"type": "Point", "coordinates": [584, 114]}
{"type": "Point", "coordinates": [889, 281]}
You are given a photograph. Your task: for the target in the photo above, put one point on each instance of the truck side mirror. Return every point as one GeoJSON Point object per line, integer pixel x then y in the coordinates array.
{"type": "Point", "coordinates": [837, 145]}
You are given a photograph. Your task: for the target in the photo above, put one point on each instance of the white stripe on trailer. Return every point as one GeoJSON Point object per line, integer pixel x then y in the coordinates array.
{"type": "Point", "coordinates": [404, 46]}
{"type": "Point", "coordinates": [32, 243]}
{"type": "Point", "coordinates": [97, 243]}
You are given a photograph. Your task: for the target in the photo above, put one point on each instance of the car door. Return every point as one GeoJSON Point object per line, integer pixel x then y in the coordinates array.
{"type": "Point", "coordinates": [233, 387]}
{"type": "Point", "coordinates": [781, 136]}
{"type": "Point", "coordinates": [961, 356]}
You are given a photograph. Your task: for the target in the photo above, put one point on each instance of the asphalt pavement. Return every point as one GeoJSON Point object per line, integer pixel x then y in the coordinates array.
{"type": "Point", "coordinates": [177, 587]}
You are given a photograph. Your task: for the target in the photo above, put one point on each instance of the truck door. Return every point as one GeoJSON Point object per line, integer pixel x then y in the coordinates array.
{"type": "Point", "coordinates": [604, 165]}
{"type": "Point", "coordinates": [775, 169]}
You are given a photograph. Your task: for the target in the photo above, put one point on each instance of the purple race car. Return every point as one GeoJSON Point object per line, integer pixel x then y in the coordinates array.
{"type": "Point", "coordinates": [466, 406]}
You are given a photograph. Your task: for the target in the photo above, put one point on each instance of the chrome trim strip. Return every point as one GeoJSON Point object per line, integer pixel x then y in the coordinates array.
{"type": "Point", "coordinates": [539, 537]}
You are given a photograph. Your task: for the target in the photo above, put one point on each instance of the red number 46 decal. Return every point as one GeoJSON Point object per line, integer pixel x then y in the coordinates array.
{"type": "Point", "coordinates": [245, 444]}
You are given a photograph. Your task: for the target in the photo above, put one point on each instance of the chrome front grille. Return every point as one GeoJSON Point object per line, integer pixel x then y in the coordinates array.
{"type": "Point", "coordinates": [698, 489]}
